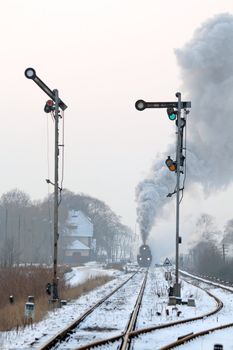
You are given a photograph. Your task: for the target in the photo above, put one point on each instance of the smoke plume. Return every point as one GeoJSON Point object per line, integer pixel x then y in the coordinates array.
{"type": "Point", "coordinates": [206, 66]}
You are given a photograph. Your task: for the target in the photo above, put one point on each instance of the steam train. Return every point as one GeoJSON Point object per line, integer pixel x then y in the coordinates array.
{"type": "Point", "coordinates": [144, 257]}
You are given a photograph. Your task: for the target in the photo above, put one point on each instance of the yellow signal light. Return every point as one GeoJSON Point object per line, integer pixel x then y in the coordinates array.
{"type": "Point", "coordinates": [170, 164]}
{"type": "Point", "coordinates": [172, 167]}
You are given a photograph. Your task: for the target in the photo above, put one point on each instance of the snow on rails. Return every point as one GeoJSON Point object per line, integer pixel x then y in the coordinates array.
{"type": "Point", "coordinates": [109, 321]}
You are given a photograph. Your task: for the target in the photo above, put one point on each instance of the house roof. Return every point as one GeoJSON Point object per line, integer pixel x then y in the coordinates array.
{"type": "Point", "coordinates": [74, 214]}
{"type": "Point", "coordinates": [78, 224]}
{"type": "Point", "coordinates": [77, 245]}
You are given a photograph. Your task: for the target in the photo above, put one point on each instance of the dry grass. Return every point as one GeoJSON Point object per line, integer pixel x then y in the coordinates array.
{"type": "Point", "coordinates": [30, 280]}
{"type": "Point", "coordinates": [75, 292]}
{"type": "Point", "coordinates": [115, 266]}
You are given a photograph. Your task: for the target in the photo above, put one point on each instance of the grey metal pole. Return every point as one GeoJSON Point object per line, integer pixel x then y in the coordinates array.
{"type": "Point", "coordinates": [56, 155]}
{"type": "Point", "coordinates": [178, 156]}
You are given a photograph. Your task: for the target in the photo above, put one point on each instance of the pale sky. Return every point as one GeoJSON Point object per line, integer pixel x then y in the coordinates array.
{"type": "Point", "coordinates": [102, 55]}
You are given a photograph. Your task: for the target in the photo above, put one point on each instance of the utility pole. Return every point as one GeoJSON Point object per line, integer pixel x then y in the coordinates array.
{"type": "Point", "coordinates": [174, 113]}
{"type": "Point", "coordinates": [19, 240]}
{"type": "Point", "coordinates": [56, 159]}
{"type": "Point", "coordinates": [5, 243]}
{"type": "Point", "coordinates": [178, 159]}
{"type": "Point", "coordinates": [52, 106]}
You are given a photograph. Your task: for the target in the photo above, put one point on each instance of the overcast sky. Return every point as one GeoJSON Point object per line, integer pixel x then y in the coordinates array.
{"type": "Point", "coordinates": [102, 55]}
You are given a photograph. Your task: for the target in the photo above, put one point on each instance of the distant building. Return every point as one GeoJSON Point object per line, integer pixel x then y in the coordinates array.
{"type": "Point", "coordinates": [77, 238]}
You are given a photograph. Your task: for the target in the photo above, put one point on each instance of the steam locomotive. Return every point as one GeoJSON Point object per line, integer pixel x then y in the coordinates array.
{"type": "Point", "coordinates": [144, 257]}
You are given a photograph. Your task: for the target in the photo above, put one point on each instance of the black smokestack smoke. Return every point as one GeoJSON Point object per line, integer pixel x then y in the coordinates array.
{"type": "Point", "coordinates": [206, 64]}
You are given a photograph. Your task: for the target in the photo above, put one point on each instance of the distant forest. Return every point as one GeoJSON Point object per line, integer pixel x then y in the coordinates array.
{"type": "Point", "coordinates": [26, 227]}
{"type": "Point", "coordinates": [210, 250]}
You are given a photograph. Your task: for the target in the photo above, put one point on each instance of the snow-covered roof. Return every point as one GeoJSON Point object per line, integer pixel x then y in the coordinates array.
{"type": "Point", "coordinates": [77, 245]}
{"type": "Point", "coordinates": [78, 224]}
{"type": "Point", "coordinates": [74, 215]}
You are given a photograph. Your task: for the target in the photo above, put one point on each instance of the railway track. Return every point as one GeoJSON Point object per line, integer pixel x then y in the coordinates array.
{"type": "Point", "coordinates": [70, 331]}
{"type": "Point", "coordinates": [205, 332]}
{"type": "Point", "coordinates": [187, 336]}
{"type": "Point", "coordinates": [131, 338]}
{"type": "Point", "coordinates": [128, 340]}
{"type": "Point", "coordinates": [123, 340]}
{"type": "Point", "coordinates": [215, 283]}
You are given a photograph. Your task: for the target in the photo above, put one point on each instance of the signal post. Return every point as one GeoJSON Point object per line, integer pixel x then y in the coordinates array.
{"type": "Point", "coordinates": [52, 106]}
{"type": "Point", "coordinates": [174, 113]}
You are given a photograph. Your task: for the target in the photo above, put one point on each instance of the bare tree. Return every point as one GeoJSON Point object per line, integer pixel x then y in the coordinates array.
{"type": "Point", "coordinates": [204, 254]}
{"type": "Point", "coordinates": [26, 231]}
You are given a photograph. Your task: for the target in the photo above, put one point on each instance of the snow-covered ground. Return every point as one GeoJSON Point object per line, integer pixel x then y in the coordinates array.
{"type": "Point", "coordinates": [160, 338]}
{"type": "Point", "coordinates": [81, 274]}
{"type": "Point", "coordinates": [224, 337]}
{"type": "Point", "coordinates": [110, 319]}
{"type": "Point", "coordinates": [155, 306]}
{"type": "Point", "coordinates": [153, 312]}
{"type": "Point", "coordinates": [58, 319]}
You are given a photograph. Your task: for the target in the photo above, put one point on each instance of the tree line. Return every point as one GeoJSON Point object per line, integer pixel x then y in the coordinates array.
{"type": "Point", "coordinates": [210, 250]}
{"type": "Point", "coordinates": [26, 227]}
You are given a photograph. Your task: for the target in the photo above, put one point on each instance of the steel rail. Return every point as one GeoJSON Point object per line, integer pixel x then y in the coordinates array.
{"type": "Point", "coordinates": [100, 342]}
{"type": "Point", "coordinates": [175, 323]}
{"type": "Point", "coordinates": [171, 324]}
{"type": "Point", "coordinates": [135, 333]}
{"type": "Point", "coordinates": [125, 336]}
{"type": "Point", "coordinates": [63, 334]}
{"type": "Point", "coordinates": [189, 337]}
{"type": "Point", "coordinates": [202, 279]}
{"type": "Point", "coordinates": [132, 322]}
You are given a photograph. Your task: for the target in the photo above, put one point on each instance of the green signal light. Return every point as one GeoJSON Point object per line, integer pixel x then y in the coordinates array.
{"type": "Point", "coordinates": [171, 113]}
{"type": "Point", "coordinates": [172, 116]}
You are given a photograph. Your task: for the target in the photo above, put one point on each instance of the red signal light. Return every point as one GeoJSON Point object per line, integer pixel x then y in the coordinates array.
{"type": "Point", "coordinates": [49, 106]}
{"type": "Point", "coordinates": [50, 102]}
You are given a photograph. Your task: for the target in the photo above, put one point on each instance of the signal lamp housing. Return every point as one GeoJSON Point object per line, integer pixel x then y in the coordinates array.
{"type": "Point", "coordinates": [182, 122]}
{"type": "Point", "coordinates": [171, 113]}
{"type": "Point", "coordinates": [140, 105]}
{"type": "Point", "coordinates": [30, 73]}
{"type": "Point", "coordinates": [170, 164]}
{"type": "Point", "coordinates": [49, 106]}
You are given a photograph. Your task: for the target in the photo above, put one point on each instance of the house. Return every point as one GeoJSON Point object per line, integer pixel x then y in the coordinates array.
{"type": "Point", "coordinates": [77, 238]}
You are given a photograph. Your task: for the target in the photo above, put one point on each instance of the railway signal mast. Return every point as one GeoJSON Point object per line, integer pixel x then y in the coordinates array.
{"type": "Point", "coordinates": [52, 105]}
{"type": "Point", "coordinates": [174, 113]}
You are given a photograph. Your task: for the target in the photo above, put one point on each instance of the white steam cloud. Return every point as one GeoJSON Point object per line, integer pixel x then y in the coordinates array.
{"type": "Point", "coordinates": [206, 64]}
